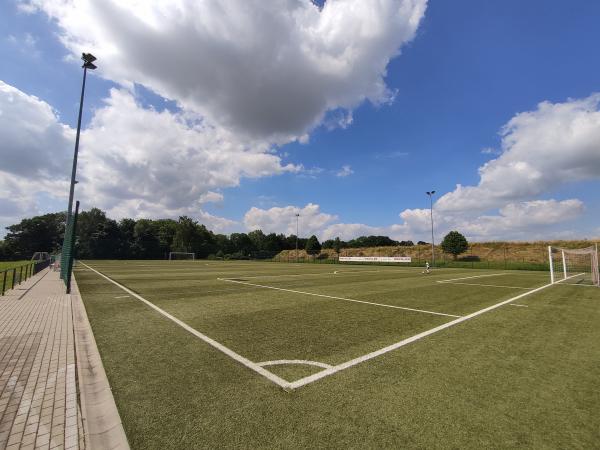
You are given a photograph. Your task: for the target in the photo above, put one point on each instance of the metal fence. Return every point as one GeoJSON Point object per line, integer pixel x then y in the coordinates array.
{"type": "Point", "coordinates": [9, 278]}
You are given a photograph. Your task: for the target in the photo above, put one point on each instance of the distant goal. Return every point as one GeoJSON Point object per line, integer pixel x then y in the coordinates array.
{"type": "Point", "coordinates": [181, 255]}
{"type": "Point", "coordinates": [574, 265]}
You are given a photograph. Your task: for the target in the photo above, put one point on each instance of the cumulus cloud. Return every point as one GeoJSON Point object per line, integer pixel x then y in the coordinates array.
{"type": "Point", "coordinates": [136, 157]}
{"type": "Point", "coordinates": [35, 152]}
{"type": "Point", "coordinates": [34, 142]}
{"type": "Point", "coordinates": [283, 219]}
{"type": "Point", "coordinates": [134, 162]}
{"type": "Point", "coordinates": [555, 144]}
{"type": "Point", "coordinates": [267, 69]}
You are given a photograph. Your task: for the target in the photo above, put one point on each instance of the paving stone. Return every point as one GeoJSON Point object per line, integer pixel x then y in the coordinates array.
{"type": "Point", "coordinates": [38, 390]}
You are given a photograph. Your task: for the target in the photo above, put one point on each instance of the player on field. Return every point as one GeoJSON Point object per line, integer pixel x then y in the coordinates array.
{"type": "Point", "coordinates": [426, 267]}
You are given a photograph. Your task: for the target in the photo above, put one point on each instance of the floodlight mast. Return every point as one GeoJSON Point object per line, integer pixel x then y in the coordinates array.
{"type": "Point", "coordinates": [88, 63]}
{"type": "Point", "coordinates": [430, 194]}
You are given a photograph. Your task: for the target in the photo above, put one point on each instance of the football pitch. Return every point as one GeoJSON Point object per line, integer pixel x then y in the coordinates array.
{"type": "Point", "coordinates": [207, 354]}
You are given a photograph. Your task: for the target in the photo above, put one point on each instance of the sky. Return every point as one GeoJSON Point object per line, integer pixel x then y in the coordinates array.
{"type": "Point", "coordinates": [242, 113]}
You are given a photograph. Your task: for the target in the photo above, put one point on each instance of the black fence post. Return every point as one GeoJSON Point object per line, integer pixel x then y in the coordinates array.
{"type": "Point", "coordinates": [4, 282]}
{"type": "Point", "coordinates": [13, 277]}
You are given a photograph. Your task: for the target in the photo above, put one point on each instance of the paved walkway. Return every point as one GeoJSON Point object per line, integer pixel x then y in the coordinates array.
{"type": "Point", "coordinates": [38, 401]}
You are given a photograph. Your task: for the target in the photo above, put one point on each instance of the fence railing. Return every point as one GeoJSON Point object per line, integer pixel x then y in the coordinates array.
{"type": "Point", "coordinates": [13, 276]}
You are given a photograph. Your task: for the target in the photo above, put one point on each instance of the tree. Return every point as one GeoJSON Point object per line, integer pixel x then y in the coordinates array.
{"type": "Point", "coordinates": [313, 247]}
{"type": "Point", "coordinates": [38, 234]}
{"type": "Point", "coordinates": [337, 245]}
{"type": "Point", "coordinates": [455, 244]}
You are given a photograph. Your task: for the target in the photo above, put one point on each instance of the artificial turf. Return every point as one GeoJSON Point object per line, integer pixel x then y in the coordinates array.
{"type": "Point", "coordinates": [516, 376]}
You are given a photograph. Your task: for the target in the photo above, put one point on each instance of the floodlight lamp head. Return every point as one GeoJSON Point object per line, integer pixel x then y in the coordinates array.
{"type": "Point", "coordinates": [88, 61]}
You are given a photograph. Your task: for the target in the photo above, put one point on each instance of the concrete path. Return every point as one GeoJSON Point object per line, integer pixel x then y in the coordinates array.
{"type": "Point", "coordinates": [38, 387]}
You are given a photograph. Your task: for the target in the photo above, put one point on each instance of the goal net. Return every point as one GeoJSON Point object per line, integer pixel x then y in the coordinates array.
{"type": "Point", "coordinates": [574, 265]}
{"type": "Point", "coordinates": [181, 255]}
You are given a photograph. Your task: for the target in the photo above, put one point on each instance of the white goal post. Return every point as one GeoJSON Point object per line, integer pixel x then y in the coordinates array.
{"type": "Point", "coordinates": [577, 264]}
{"type": "Point", "coordinates": [182, 255]}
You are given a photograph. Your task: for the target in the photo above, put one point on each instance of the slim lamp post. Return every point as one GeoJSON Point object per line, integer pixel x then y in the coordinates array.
{"type": "Point", "coordinates": [88, 63]}
{"type": "Point", "coordinates": [297, 220]}
{"type": "Point", "coordinates": [430, 194]}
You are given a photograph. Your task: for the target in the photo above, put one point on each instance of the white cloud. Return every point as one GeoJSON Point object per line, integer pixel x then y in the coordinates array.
{"type": "Point", "coordinates": [34, 143]}
{"type": "Point", "coordinates": [345, 171]}
{"type": "Point", "coordinates": [133, 157]}
{"type": "Point", "coordinates": [283, 219]}
{"type": "Point", "coordinates": [134, 162]}
{"type": "Point", "coordinates": [35, 152]}
{"type": "Point", "coordinates": [265, 69]}
{"type": "Point", "coordinates": [556, 144]}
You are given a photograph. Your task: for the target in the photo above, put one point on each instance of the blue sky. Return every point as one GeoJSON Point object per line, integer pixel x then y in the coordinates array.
{"type": "Point", "coordinates": [465, 70]}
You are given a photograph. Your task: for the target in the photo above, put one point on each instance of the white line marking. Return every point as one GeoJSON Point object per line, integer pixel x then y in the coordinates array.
{"type": "Point", "coordinates": [295, 361]}
{"type": "Point", "coordinates": [122, 296]}
{"type": "Point", "coordinates": [522, 306]}
{"type": "Point", "coordinates": [488, 285]}
{"type": "Point", "coordinates": [324, 373]}
{"type": "Point", "coordinates": [239, 358]}
{"type": "Point", "coordinates": [475, 276]}
{"type": "Point", "coordinates": [338, 298]}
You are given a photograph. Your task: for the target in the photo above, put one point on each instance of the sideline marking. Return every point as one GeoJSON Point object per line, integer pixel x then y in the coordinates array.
{"type": "Point", "coordinates": [516, 304]}
{"type": "Point", "coordinates": [122, 296]}
{"type": "Point", "coordinates": [339, 298]}
{"type": "Point", "coordinates": [295, 361]}
{"type": "Point", "coordinates": [487, 285]}
{"type": "Point", "coordinates": [324, 373]}
{"type": "Point", "coordinates": [475, 276]}
{"type": "Point", "coordinates": [239, 358]}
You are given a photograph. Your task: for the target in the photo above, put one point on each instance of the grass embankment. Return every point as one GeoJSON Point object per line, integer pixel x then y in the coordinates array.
{"type": "Point", "coordinates": [514, 377]}
{"type": "Point", "coordinates": [492, 255]}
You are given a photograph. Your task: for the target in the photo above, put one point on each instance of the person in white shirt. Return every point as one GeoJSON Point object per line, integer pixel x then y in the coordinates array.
{"type": "Point", "coordinates": [426, 267]}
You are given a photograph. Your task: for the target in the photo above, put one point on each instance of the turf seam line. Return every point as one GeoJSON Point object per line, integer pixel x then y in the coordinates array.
{"type": "Point", "coordinates": [339, 298]}
{"type": "Point", "coordinates": [239, 358]}
{"type": "Point", "coordinates": [324, 373]}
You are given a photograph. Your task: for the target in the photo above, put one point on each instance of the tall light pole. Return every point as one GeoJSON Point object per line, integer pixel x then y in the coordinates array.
{"type": "Point", "coordinates": [88, 63]}
{"type": "Point", "coordinates": [66, 257]}
{"type": "Point", "coordinates": [297, 220]}
{"type": "Point", "coordinates": [430, 194]}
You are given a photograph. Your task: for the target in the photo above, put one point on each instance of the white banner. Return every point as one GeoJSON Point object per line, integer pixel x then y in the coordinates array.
{"type": "Point", "coordinates": [388, 259]}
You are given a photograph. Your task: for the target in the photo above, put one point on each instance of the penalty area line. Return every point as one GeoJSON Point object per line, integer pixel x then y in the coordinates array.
{"type": "Point", "coordinates": [233, 355]}
{"type": "Point", "coordinates": [353, 362]}
{"type": "Point", "coordinates": [339, 298]}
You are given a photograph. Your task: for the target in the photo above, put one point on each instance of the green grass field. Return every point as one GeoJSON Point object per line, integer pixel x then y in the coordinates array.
{"type": "Point", "coordinates": [305, 356]}
{"type": "Point", "coordinates": [6, 280]}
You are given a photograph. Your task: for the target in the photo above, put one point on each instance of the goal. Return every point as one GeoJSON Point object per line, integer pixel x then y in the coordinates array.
{"type": "Point", "coordinates": [181, 255]}
{"type": "Point", "coordinates": [578, 265]}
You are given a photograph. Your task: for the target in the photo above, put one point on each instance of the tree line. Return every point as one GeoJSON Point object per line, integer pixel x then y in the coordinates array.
{"type": "Point", "coordinates": [100, 237]}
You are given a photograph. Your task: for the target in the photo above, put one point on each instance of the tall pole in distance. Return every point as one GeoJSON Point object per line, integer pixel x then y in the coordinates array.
{"type": "Point", "coordinates": [430, 194]}
{"type": "Point", "coordinates": [297, 219]}
{"type": "Point", "coordinates": [88, 60]}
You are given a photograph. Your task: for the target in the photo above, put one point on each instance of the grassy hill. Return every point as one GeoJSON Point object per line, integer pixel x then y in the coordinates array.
{"type": "Point", "coordinates": [526, 255]}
